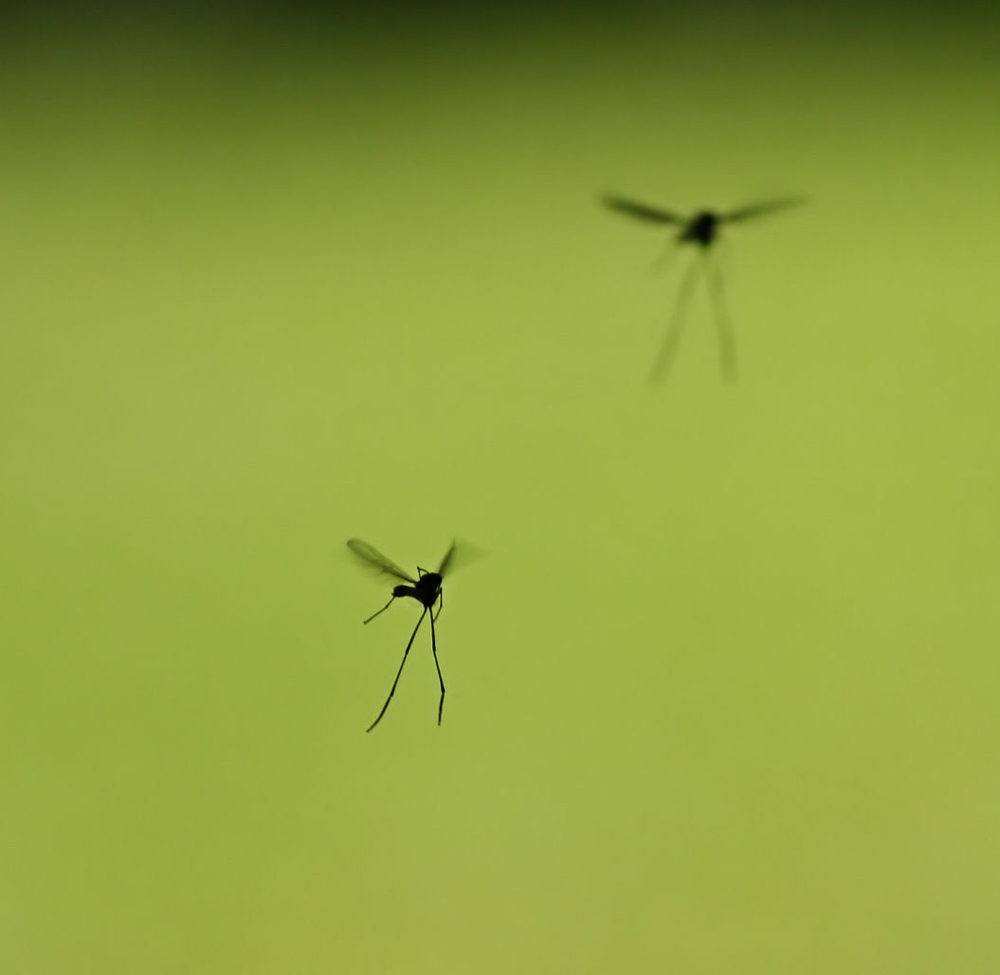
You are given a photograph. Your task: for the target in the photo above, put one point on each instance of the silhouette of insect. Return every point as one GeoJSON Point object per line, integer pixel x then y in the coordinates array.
{"type": "Point", "coordinates": [702, 229]}
{"type": "Point", "coordinates": [425, 589]}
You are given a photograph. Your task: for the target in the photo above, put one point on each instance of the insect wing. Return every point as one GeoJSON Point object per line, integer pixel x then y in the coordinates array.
{"type": "Point", "coordinates": [376, 560]}
{"type": "Point", "coordinates": [447, 559]}
{"type": "Point", "coordinates": [759, 209]}
{"type": "Point", "coordinates": [641, 210]}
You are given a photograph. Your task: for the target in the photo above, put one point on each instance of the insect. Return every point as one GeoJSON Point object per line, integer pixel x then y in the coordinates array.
{"type": "Point", "coordinates": [425, 589]}
{"type": "Point", "coordinates": [702, 229]}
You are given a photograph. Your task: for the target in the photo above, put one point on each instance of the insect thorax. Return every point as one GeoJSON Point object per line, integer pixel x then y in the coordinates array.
{"type": "Point", "coordinates": [702, 228]}
{"type": "Point", "coordinates": [427, 588]}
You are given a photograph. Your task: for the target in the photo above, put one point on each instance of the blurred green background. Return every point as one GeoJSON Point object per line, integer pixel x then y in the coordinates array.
{"type": "Point", "coordinates": [723, 690]}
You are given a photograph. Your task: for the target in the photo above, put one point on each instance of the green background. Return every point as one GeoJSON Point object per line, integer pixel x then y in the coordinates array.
{"type": "Point", "coordinates": [723, 684]}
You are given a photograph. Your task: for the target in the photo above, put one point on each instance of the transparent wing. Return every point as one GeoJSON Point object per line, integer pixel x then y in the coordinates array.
{"type": "Point", "coordinates": [459, 555]}
{"type": "Point", "coordinates": [759, 209]}
{"type": "Point", "coordinates": [374, 559]}
{"type": "Point", "coordinates": [447, 559]}
{"type": "Point", "coordinates": [640, 210]}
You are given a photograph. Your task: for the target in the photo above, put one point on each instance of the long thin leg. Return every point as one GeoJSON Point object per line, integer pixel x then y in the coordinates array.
{"type": "Point", "coordinates": [392, 690]}
{"type": "Point", "coordinates": [665, 257]}
{"type": "Point", "coordinates": [382, 610]}
{"type": "Point", "coordinates": [441, 598]}
{"type": "Point", "coordinates": [669, 348]}
{"type": "Point", "coordinates": [434, 650]}
{"type": "Point", "coordinates": [727, 341]}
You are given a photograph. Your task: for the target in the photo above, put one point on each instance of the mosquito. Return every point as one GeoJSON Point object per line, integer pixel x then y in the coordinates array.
{"type": "Point", "coordinates": [702, 229]}
{"type": "Point", "coordinates": [425, 589]}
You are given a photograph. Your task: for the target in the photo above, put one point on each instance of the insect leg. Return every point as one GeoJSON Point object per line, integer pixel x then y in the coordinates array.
{"type": "Point", "coordinates": [392, 690]}
{"type": "Point", "coordinates": [669, 348]}
{"type": "Point", "coordinates": [434, 650]}
{"type": "Point", "coordinates": [382, 610]}
{"type": "Point", "coordinates": [666, 256]}
{"type": "Point", "coordinates": [727, 341]}
{"type": "Point", "coordinates": [441, 599]}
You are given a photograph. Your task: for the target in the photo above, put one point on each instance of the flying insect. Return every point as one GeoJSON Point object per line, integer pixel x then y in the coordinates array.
{"type": "Point", "coordinates": [425, 589]}
{"type": "Point", "coordinates": [702, 229]}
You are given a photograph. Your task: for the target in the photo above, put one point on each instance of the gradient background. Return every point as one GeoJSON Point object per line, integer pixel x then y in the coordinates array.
{"type": "Point", "coordinates": [723, 690]}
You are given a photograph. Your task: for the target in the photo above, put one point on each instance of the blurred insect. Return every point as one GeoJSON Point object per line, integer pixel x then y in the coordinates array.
{"type": "Point", "coordinates": [425, 589]}
{"type": "Point", "coordinates": [702, 229]}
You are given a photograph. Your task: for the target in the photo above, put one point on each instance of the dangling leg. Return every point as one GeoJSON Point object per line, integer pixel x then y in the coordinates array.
{"type": "Point", "coordinates": [441, 598]}
{"type": "Point", "coordinates": [434, 650]}
{"type": "Point", "coordinates": [727, 341]}
{"type": "Point", "coordinates": [666, 257]}
{"type": "Point", "coordinates": [382, 610]}
{"type": "Point", "coordinates": [666, 355]}
{"type": "Point", "coordinates": [392, 690]}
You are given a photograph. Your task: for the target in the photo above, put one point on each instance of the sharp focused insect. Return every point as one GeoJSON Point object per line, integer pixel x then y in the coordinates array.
{"type": "Point", "coordinates": [702, 229]}
{"type": "Point", "coordinates": [425, 589]}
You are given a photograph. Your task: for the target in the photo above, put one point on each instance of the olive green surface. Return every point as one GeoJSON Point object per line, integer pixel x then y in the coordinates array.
{"type": "Point", "coordinates": [721, 660]}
